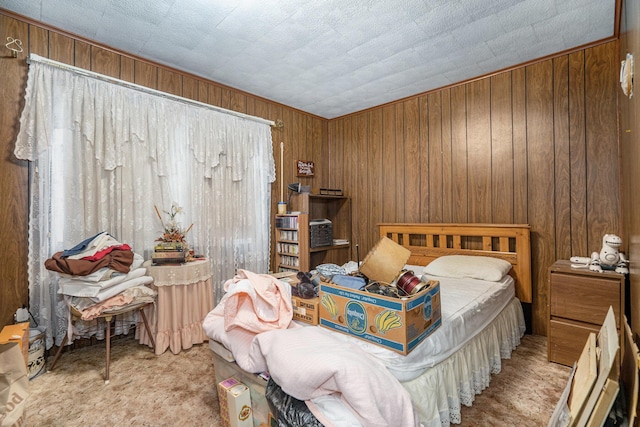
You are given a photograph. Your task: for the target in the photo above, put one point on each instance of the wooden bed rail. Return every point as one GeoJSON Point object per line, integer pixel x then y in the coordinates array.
{"type": "Point", "coordinates": [427, 242]}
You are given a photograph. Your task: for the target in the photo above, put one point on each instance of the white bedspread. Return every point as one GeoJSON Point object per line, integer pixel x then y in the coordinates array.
{"type": "Point", "coordinates": [468, 305]}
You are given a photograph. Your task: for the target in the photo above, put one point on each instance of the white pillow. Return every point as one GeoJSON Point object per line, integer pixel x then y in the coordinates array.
{"type": "Point", "coordinates": [474, 267]}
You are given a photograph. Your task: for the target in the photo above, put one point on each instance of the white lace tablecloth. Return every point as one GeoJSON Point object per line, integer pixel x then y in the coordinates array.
{"type": "Point", "coordinates": [185, 297]}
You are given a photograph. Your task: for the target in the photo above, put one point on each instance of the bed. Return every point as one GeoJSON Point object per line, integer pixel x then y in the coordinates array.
{"type": "Point", "coordinates": [482, 322]}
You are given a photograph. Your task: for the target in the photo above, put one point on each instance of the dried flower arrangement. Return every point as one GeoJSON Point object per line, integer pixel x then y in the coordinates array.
{"type": "Point", "coordinates": [173, 231]}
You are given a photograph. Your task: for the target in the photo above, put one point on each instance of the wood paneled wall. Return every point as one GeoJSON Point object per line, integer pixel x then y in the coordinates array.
{"type": "Point", "coordinates": [536, 145]}
{"type": "Point", "coordinates": [630, 159]}
{"type": "Point", "coordinates": [303, 134]}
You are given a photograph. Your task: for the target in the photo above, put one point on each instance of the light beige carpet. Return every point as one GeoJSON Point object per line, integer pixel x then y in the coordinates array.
{"type": "Point", "coordinates": [173, 390]}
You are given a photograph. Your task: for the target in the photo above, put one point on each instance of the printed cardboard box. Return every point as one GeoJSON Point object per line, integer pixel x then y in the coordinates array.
{"type": "Point", "coordinates": [306, 309]}
{"type": "Point", "coordinates": [235, 403]}
{"type": "Point", "coordinates": [395, 323]}
{"type": "Point", "coordinates": [18, 333]}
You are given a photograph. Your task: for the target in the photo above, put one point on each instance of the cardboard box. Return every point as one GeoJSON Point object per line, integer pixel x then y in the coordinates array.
{"type": "Point", "coordinates": [385, 261]}
{"type": "Point", "coordinates": [395, 323]}
{"type": "Point", "coordinates": [18, 333]}
{"type": "Point", "coordinates": [256, 382]}
{"type": "Point", "coordinates": [306, 309]}
{"type": "Point", "coordinates": [235, 403]}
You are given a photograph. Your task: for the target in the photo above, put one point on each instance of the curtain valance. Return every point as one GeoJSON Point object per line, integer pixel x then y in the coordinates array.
{"type": "Point", "coordinates": [109, 116]}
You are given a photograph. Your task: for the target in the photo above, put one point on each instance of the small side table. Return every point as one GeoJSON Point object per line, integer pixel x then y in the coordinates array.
{"type": "Point", "coordinates": [185, 297]}
{"type": "Point", "coordinates": [579, 300]}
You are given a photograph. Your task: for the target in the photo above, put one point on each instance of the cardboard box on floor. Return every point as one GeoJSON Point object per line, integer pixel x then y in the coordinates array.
{"type": "Point", "coordinates": [593, 384]}
{"type": "Point", "coordinates": [18, 333]}
{"type": "Point", "coordinates": [235, 403]}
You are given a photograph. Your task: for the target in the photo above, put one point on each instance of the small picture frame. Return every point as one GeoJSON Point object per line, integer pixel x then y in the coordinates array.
{"type": "Point", "coordinates": [304, 167]}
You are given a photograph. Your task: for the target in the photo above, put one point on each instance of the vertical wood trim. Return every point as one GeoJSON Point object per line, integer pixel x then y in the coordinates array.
{"type": "Point", "coordinates": [61, 48]}
{"type": "Point", "coordinates": [479, 144]}
{"type": "Point", "coordinates": [376, 176]}
{"type": "Point", "coordinates": [190, 88]}
{"type": "Point", "coordinates": [411, 169]}
{"type": "Point", "coordinates": [338, 160]}
{"type": "Point", "coordinates": [562, 157]}
{"type": "Point", "coordinates": [447, 182]}
{"type": "Point", "coordinates": [82, 56]}
{"type": "Point", "coordinates": [539, 104]}
{"type": "Point", "coordinates": [520, 162]}
{"type": "Point", "coordinates": [434, 165]}
{"type": "Point", "coordinates": [169, 82]}
{"type": "Point", "coordinates": [105, 62]}
{"type": "Point", "coordinates": [601, 137]}
{"type": "Point", "coordinates": [502, 196]}
{"type": "Point", "coordinates": [146, 75]}
{"type": "Point", "coordinates": [577, 148]}
{"type": "Point", "coordinates": [38, 41]}
{"type": "Point", "coordinates": [389, 164]}
{"type": "Point", "coordinates": [400, 164]}
{"type": "Point", "coordinates": [238, 102]}
{"type": "Point", "coordinates": [214, 95]}
{"type": "Point", "coordinates": [127, 69]}
{"type": "Point", "coordinates": [423, 172]}
{"type": "Point", "coordinates": [14, 178]}
{"type": "Point", "coordinates": [459, 155]}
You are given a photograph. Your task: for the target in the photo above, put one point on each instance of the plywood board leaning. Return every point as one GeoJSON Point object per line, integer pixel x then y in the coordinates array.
{"type": "Point", "coordinates": [561, 414]}
{"type": "Point", "coordinates": [584, 379]}
{"type": "Point", "coordinates": [604, 403]}
{"type": "Point", "coordinates": [629, 375]}
{"type": "Point", "coordinates": [608, 345]}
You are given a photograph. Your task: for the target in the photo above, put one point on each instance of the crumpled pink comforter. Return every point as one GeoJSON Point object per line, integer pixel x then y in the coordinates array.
{"type": "Point", "coordinates": [306, 362]}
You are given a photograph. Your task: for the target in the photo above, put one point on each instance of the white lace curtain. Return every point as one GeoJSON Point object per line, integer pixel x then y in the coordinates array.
{"type": "Point", "coordinates": [102, 155]}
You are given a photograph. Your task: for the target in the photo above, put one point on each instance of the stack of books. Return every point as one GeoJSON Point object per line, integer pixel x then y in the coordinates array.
{"type": "Point", "coordinates": [169, 253]}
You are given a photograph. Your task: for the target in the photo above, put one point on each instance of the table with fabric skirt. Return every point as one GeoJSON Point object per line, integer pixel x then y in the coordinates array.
{"type": "Point", "coordinates": [185, 297]}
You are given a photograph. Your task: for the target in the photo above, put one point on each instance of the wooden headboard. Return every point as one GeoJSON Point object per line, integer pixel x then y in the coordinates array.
{"type": "Point", "coordinates": [427, 242]}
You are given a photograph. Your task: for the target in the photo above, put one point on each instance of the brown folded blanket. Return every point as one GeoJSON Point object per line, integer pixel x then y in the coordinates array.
{"type": "Point", "coordinates": [118, 260]}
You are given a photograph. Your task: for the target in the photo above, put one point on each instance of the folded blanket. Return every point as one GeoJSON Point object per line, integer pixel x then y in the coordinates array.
{"type": "Point", "coordinates": [79, 288]}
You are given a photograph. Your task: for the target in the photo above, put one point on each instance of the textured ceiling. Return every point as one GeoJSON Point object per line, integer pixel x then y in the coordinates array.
{"type": "Point", "coordinates": [332, 57]}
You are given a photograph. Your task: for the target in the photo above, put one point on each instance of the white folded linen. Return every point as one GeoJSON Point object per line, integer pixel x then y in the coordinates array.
{"type": "Point", "coordinates": [115, 290]}
{"type": "Point", "coordinates": [79, 288]}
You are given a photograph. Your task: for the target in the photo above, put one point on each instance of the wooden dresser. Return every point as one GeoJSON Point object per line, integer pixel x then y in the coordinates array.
{"type": "Point", "coordinates": [578, 303]}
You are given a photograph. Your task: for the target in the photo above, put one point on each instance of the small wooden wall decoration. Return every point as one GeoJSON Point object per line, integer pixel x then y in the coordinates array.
{"type": "Point", "coordinates": [304, 167]}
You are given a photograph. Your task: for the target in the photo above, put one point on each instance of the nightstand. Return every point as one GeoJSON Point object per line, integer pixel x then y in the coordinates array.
{"type": "Point", "coordinates": [578, 303]}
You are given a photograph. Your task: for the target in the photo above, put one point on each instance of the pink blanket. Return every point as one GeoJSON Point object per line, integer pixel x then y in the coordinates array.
{"type": "Point", "coordinates": [309, 362]}
{"type": "Point", "coordinates": [255, 303]}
